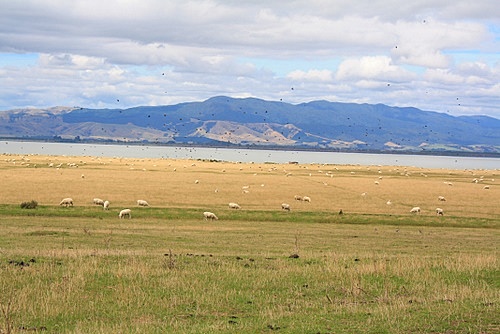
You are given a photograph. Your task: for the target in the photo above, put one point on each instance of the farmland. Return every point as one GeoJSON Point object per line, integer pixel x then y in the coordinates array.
{"type": "Point", "coordinates": [375, 268]}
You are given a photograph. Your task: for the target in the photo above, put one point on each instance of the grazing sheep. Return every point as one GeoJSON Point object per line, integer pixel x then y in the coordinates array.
{"type": "Point", "coordinates": [285, 206]}
{"type": "Point", "coordinates": [439, 211]}
{"type": "Point", "coordinates": [486, 187]}
{"type": "Point", "coordinates": [142, 202]}
{"type": "Point", "coordinates": [441, 198]}
{"type": "Point", "coordinates": [306, 199]}
{"type": "Point", "coordinates": [298, 198]}
{"type": "Point", "coordinates": [105, 205]}
{"type": "Point", "coordinates": [98, 201]}
{"type": "Point", "coordinates": [415, 210]}
{"type": "Point", "coordinates": [234, 206]}
{"type": "Point", "coordinates": [125, 212]}
{"type": "Point", "coordinates": [210, 215]}
{"type": "Point", "coordinates": [67, 202]}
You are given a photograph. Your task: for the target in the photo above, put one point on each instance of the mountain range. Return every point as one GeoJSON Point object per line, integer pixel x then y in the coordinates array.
{"type": "Point", "coordinates": [226, 121]}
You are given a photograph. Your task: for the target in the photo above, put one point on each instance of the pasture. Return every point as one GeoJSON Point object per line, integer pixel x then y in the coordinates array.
{"type": "Point", "coordinates": [376, 268]}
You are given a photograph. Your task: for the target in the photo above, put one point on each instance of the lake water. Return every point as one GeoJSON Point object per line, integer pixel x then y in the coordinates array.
{"type": "Point", "coordinates": [246, 155]}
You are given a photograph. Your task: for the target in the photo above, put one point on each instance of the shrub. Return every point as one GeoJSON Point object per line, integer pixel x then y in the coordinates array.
{"type": "Point", "coordinates": [29, 205]}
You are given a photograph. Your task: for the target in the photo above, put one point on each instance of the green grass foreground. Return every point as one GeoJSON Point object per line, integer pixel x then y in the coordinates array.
{"type": "Point", "coordinates": [166, 270]}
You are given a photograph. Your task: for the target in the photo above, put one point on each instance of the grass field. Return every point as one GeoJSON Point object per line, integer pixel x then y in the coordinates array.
{"type": "Point", "coordinates": [374, 269]}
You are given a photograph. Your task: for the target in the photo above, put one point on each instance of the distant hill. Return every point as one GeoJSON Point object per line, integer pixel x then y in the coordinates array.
{"type": "Point", "coordinates": [225, 121]}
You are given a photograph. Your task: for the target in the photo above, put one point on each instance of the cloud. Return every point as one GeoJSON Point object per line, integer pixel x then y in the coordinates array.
{"type": "Point", "coordinates": [376, 67]}
{"type": "Point", "coordinates": [92, 52]}
{"type": "Point", "coordinates": [311, 75]}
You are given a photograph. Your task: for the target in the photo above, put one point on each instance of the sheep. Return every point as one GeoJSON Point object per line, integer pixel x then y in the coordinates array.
{"type": "Point", "coordinates": [415, 210]}
{"type": "Point", "coordinates": [67, 202]}
{"type": "Point", "coordinates": [486, 187]}
{"type": "Point", "coordinates": [142, 202]}
{"type": "Point", "coordinates": [210, 215]}
{"type": "Point", "coordinates": [234, 206]}
{"type": "Point", "coordinates": [125, 212]}
{"type": "Point", "coordinates": [441, 198]}
{"type": "Point", "coordinates": [105, 205]}
{"type": "Point", "coordinates": [98, 201]}
{"type": "Point", "coordinates": [439, 211]}
{"type": "Point", "coordinates": [298, 198]}
{"type": "Point", "coordinates": [285, 206]}
{"type": "Point", "coordinates": [306, 199]}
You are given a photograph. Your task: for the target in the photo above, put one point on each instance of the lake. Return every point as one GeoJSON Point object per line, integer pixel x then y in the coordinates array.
{"type": "Point", "coordinates": [247, 155]}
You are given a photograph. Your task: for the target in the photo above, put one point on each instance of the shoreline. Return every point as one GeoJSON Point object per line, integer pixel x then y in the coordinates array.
{"type": "Point", "coordinates": [143, 151]}
{"type": "Point", "coordinates": [437, 153]}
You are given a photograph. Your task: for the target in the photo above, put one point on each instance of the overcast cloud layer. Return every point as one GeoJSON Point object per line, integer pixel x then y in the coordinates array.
{"type": "Point", "coordinates": [441, 55]}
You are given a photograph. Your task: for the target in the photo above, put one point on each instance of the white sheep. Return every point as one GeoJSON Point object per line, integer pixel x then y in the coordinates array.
{"type": "Point", "coordinates": [439, 211]}
{"type": "Point", "coordinates": [142, 202]}
{"type": "Point", "coordinates": [125, 212]}
{"type": "Point", "coordinates": [415, 210]}
{"type": "Point", "coordinates": [210, 215]}
{"type": "Point", "coordinates": [298, 198]}
{"type": "Point", "coordinates": [441, 198]}
{"type": "Point", "coordinates": [67, 202]}
{"type": "Point", "coordinates": [98, 201]}
{"type": "Point", "coordinates": [306, 199]}
{"type": "Point", "coordinates": [105, 205]}
{"type": "Point", "coordinates": [234, 206]}
{"type": "Point", "coordinates": [285, 206]}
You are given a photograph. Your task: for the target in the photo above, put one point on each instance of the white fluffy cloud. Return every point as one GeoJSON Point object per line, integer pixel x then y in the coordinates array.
{"type": "Point", "coordinates": [94, 53]}
{"type": "Point", "coordinates": [377, 67]}
{"type": "Point", "coordinates": [311, 75]}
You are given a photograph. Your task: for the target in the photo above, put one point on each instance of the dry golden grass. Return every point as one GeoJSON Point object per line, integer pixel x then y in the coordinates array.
{"type": "Point", "coordinates": [172, 183]}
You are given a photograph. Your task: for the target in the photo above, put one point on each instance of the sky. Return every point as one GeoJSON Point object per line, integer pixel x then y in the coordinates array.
{"type": "Point", "coordinates": [436, 55]}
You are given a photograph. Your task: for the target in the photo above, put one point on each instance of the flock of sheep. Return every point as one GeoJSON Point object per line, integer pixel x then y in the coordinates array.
{"type": "Point", "coordinates": [212, 216]}
{"type": "Point", "coordinates": [232, 205]}
{"type": "Point", "coordinates": [285, 206]}
{"type": "Point", "coordinates": [105, 204]}
{"type": "Point", "coordinates": [207, 215]}
{"type": "Point", "coordinates": [128, 212]}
